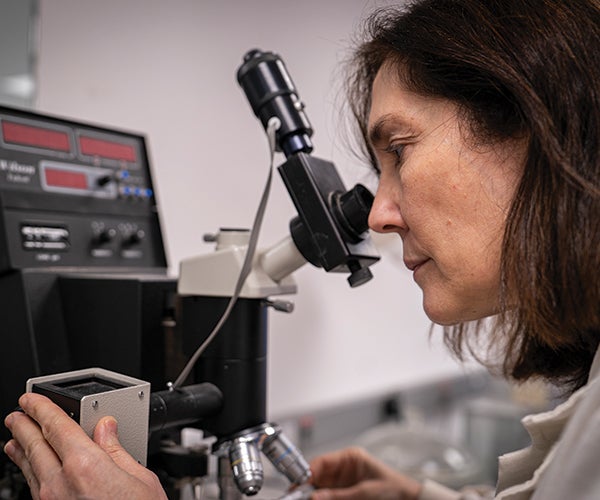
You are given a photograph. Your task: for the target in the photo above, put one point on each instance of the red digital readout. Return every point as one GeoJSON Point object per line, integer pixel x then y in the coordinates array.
{"type": "Point", "coordinates": [65, 178]}
{"type": "Point", "coordinates": [27, 135]}
{"type": "Point", "coordinates": [106, 149]}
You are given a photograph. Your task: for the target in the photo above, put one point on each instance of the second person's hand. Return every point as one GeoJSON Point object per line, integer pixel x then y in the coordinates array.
{"type": "Point", "coordinates": [353, 474]}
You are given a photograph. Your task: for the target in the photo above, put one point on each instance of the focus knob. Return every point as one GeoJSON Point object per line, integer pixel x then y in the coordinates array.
{"type": "Point", "coordinates": [359, 275]}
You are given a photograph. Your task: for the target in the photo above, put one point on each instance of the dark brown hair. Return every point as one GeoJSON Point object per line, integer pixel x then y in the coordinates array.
{"type": "Point", "coordinates": [528, 69]}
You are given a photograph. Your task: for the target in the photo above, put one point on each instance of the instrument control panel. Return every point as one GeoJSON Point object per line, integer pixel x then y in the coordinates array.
{"type": "Point", "coordinates": [75, 195]}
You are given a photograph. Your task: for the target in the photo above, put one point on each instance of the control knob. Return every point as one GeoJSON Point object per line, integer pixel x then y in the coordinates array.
{"type": "Point", "coordinates": [104, 180]}
{"type": "Point", "coordinates": [106, 235]}
{"type": "Point", "coordinates": [134, 237]}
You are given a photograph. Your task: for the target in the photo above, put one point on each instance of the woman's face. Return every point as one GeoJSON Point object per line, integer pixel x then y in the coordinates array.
{"type": "Point", "coordinates": [446, 197]}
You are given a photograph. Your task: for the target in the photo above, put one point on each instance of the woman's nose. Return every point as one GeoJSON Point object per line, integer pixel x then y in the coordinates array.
{"type": "Point", "coordinates": [385, 215]}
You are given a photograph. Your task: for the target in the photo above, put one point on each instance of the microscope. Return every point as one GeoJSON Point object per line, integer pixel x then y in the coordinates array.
{"type": "Point", "coordinates": [83, 270]}
{"type": "Point", "coordinates": [330, 231]}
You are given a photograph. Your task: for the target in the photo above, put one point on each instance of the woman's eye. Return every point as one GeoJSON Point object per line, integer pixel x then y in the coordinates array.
{"type": "Point", "coordinates": [397, 150]}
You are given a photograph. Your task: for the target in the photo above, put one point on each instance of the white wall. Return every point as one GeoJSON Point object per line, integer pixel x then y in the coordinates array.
{"type": "Point", "coordinates": [167, 69]}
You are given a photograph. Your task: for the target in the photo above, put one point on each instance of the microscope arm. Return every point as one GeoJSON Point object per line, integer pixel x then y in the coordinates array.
{"type": "Point", "coordinates": [215, 274]}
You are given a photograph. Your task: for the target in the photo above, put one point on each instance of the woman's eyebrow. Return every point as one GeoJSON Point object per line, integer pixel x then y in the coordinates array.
{"type": "Point", "coordinates": [377, 131]}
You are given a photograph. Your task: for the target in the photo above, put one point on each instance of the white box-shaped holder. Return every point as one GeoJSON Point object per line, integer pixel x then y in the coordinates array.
{"type": "Point", "coordinates": [90, 394]}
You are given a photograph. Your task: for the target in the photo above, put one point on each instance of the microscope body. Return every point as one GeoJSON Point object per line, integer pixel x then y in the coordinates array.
{"type": "Point", "coordinates": [236, 360]}
{"type": "Point", "coordinates": [330, 231]}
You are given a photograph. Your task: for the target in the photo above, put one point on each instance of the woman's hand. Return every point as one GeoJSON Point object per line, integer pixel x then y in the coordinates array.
{"type": "Point", "coordinates": [60, 461]}
{"type": "Point", "coordinates": [354, 474]}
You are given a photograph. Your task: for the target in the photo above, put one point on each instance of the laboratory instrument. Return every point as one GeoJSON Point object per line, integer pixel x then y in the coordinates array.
{"type": "Point", "coordinates": [83, 282]}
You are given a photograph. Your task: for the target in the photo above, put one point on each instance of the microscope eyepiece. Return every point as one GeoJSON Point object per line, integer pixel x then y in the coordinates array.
{"type": "Point", "coordinates": [331, 228]}
{"type": "Point", "coordinates": [351, 210]}
{"type": "Point", "coordinates": [271, 92]}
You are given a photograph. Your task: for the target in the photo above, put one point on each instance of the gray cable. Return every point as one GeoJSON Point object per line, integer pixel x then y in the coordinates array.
{"type": "Point", "coordinates": [272, 127]}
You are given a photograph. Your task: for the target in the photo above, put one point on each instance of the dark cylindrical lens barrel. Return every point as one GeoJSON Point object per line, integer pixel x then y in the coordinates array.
{"type": "Point", "coordinates": [271, 93]}
{"type": "Point", "coordinates": [351, 210]}
{"type": "Point", "coordinates": [184, 405]}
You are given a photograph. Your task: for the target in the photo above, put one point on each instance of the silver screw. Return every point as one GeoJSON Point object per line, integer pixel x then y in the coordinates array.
{"type": "Point", "coordinates": [94, 404]}
{"type": "Point", "coordinates": [141, 394]}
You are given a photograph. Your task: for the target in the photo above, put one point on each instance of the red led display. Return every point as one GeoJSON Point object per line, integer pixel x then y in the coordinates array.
{"type": "Point", "coordinates": [27, 135]}
{"type": "Point", "coordinates": [65, 178]}
{"type": "Point", "coordinates": [106, 149]}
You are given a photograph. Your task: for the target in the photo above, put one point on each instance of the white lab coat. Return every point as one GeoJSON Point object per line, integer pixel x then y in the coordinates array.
{"type": "Point", "coordinates": [562, 461]}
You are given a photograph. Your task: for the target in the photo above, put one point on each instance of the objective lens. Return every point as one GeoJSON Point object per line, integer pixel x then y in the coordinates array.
{"type": "Point", "coordinates": [246, 466]}
{"type": "Point", "coordinates": [287, 459]}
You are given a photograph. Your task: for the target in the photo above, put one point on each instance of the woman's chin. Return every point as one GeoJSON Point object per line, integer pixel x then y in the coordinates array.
{"type": "Point", "coordinates": [444, 314]}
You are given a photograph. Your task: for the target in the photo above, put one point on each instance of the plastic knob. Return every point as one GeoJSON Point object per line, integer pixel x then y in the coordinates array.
{"type": "Point", "coordinates": [136, 237]}
{"type": "Point", "coordinates": [359, 277]}
{"type": "Point", "coordinates": [106, 235]}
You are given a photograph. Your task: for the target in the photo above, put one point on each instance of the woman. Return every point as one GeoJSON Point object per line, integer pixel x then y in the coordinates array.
{"type": "Point", "coordinates": [482, 120]}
